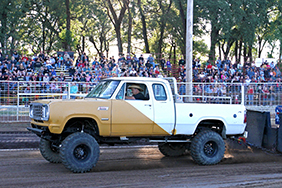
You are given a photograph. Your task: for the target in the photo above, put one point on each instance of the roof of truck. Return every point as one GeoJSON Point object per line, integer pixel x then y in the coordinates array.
{"type": "Point", "coordinates": [146, 79]}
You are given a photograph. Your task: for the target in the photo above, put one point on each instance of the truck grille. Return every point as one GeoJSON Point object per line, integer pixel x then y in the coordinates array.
{"type": "Point", "coordinates": [37, 110]}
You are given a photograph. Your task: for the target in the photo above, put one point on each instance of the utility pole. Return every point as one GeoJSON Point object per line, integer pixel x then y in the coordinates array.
{"type": "Point", "coordinates": [189, 48]}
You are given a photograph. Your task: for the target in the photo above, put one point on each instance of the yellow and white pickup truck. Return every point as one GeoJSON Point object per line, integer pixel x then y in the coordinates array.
{"type": "Point", "coordinates": [114, 113]}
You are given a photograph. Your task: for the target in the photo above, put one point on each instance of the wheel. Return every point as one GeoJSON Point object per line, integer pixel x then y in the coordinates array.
{"type": "Point", "coordinates": [173, 149]}
{"type": "Point", "coordinates": [49, 151]}
{"type": "Point", "coordinates": [207, 148]}
{"type": "Point", "coordinates": [79, 152]}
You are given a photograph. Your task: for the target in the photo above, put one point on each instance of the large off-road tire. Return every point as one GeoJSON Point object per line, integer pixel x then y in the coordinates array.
{"type": "Point", "coordinates": [79, 152]}
{"type": "Point", "coordinates": [207, 148]}
{"type": "Point", "coordinates": [173, 149]}
{"type": "Point", "coordinates": [49, 152]}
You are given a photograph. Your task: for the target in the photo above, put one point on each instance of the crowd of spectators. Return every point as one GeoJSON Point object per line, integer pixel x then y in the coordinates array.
{"type": "Point", "coordinates": [42, 67]}
{"type": "Point", "coordinates": [225, 71]}
{"type": "Point", "coordinates": [62, 67]}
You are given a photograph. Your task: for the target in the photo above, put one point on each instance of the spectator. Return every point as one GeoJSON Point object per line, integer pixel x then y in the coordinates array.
{"type": "Point", "coordinates": [46, 78]}
{"type": "Point", "coordinates": [66, 56]}
{"type": "Point", "coordinates": [73, 90]}
{"type": "Point", "coordinates": [151, 60]}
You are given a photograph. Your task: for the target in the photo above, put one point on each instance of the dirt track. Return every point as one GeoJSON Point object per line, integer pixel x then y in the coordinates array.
{"type": "Point", "coordinates": [143, 167]}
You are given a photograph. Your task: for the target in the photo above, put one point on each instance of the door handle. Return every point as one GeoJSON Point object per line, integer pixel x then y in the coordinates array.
{"type": "Point", "coordinates": [148, 105]}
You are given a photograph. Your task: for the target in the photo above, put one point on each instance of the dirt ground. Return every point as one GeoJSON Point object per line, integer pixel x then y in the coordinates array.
{"type": "Point", "coordinates": [143, 166]}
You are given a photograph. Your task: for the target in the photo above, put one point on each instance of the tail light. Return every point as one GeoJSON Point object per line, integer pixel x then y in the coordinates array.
{"type": "Point", "coordinates": [245, 118]}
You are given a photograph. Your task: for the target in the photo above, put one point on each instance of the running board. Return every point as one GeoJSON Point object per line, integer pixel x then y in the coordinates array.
{"type": "Point", "coordinates": [169, 140]}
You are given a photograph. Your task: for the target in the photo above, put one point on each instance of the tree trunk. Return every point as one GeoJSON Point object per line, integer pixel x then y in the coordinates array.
{"type": "Point", "coordinates": [219, 51]}
{"type": "Point", "coordinates": [174, 53]}
{"type": "Point", "coordinates": [240, 50]}
{"type": "Point", "coordinates": [91, 39]}
{"type": "Point", "coordinates": [144, 27]}
{"type": "Point", "coordinates": [183, 19]}
{"type": "Point", "coordinates": [236, 51]}
{"type": "Point", "coordinates": [43, 36]}
{"type": "Point", "coordinates": [119, 41]}
{"type": "Point", "coordinates": [3, 32]}
{"type": "Point", "coordinates": [160, 43]}
{"type": "Point", "coordinates": [162, 27]}
{"type": "Point", "coordinates": [68, 32]}
{"type": "Point", "coordinates": [250, 53]}
{"type": "Point", "coordinates": [83, 43]}
{"type": "Point", "coordinates": [214, 38]}
{"type": "Point", "coordinates": [228, 47]}
{"type": "Point", "coordinates": [129, 31]}
{"type": "Point", "coordinates": [245, 53]}
{"type": "Point", "coordinates": [117, 21]}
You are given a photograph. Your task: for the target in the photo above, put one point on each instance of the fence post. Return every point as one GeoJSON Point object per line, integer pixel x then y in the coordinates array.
{"type": "Point", "coordinates": [68, 96]}
{"type": "Point", "coordinates": [243, 93]}
{"type": "Point", "coordinates": [18, 99]}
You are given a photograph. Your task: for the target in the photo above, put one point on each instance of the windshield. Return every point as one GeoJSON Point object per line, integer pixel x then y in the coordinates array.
{"type": "Point", "coordinates": [104, 89]}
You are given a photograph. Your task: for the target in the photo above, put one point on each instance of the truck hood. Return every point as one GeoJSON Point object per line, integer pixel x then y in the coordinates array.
{"type": "Point", "coordinates": [52, 101]}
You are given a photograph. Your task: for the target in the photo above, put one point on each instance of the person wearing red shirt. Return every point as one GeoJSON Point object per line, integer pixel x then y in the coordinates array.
{"type": "Point", "coordinates": [24, 58]}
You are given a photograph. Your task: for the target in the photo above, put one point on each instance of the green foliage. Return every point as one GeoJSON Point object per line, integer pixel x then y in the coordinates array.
{"type": "Point", "coordinates": [68, 37]}
{"type": "Point", "coordinates": [39, 25]}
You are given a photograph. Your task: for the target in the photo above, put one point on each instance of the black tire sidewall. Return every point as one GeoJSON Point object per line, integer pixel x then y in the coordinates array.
{"type": "Point", "coordinates": [48, 153]}
{"type": "Point", "coordinates": [197, 148]}
{"type": "Point", "coordinates": [67, 152]}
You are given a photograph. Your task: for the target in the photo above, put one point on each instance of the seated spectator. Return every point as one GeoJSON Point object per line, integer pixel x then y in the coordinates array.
{"type": "Point", "coordinates": [46, 78]}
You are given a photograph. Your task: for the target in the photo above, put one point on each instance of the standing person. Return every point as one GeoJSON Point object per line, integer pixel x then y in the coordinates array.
{"type": "Point", "coordinates": [73, 90]}
{"type": "Point", "coordinates": [168, 67]}
{"type": "Point", "coordinates": [151, 60]}
{"type": "Point", "coordinates": [181, 62]}
{"type": "Point", "coordinates": [250, 94]}
{"type": "Point", "coordinates": [66, 56]}
{"type": "Point", "coordinates": [265, 95]}
{"type": "Point", "coordinates": [140, 60]}
{"type": "Point", "coordinates": [162, 62]}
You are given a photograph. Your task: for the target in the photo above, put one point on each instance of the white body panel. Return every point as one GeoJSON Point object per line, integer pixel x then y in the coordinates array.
{"type": "Point", "coordinates": [164, 113]}
{"type": "Point", "coordinates": [189, 115]}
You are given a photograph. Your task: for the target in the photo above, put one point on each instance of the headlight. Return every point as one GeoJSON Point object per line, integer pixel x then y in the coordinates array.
{"type": "Point", "coordinates": [45, 112]}
{"type": "Point", "coordinates": [31, 111]}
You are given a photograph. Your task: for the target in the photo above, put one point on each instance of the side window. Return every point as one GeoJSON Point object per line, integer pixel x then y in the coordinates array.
{"type": "Point", "coordinates": [120, 94]}
{"type": "Point", "coordinates": [159, 92]}
{"type": "Point", "coordinates": [136, 91]}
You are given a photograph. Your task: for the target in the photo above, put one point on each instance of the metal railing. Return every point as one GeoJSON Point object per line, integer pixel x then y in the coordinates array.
{"type": "Point", "coordinates": [15, 97]}
{"type": "Point", "coordinates": [252, 94]}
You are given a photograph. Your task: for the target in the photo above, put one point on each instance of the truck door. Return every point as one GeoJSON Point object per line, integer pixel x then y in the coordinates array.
{"type": "Point", "coordinates": [164, 114]}
{"type": "Point", "coordinates": [132, 117]}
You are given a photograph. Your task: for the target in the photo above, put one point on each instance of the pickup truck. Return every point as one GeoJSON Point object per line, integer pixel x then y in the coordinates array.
{"type": "Point", "coordinates": [71, 130]}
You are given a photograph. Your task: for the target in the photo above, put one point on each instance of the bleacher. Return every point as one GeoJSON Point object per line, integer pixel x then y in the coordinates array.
{"type": "Point", "coordinates": [66, 73]}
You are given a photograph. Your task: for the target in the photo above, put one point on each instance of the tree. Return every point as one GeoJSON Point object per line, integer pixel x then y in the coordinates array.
{"type": "Point", "coordinates": [121, 7]}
